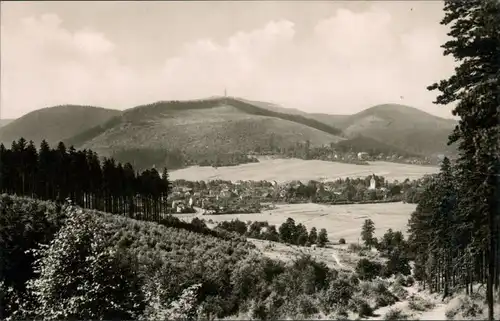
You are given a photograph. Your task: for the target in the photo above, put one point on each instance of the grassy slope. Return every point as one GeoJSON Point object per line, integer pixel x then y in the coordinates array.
{"type": "Point", "coordinates": [4, 122]}
{"type": "Point", "coordinates": [401, 126]}
{"type": "Point", "coordinates": [395, 128]}
{"type": "Point", "coordinates": [203, 126]}
{"type": "Point", "coordinates": [55, 124]}
{"type": "Point", "coordinates": [227, 125]}
{"type": "Point", "coordinates": [285, 170]}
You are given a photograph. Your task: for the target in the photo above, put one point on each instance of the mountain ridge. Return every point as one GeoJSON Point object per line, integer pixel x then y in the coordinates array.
{"type": "Point", "coordinates": [55, 124]}
{"type": "Point", "coordinates": [223, 125]}
{"type": "Point", "coordinates": [138, 114]}
{"type": "Point", "coordinates": [4, 122]}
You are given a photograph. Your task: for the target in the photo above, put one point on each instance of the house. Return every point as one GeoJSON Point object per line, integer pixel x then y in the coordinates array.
{"type": "Point", "coordinates": [362, 156]}
{"type": "Point", "coordinates": [179, 206]}
{"type": "Point", "coordinates": [226, 193]}
{"type": "Point", "coordinates": [175, 203]}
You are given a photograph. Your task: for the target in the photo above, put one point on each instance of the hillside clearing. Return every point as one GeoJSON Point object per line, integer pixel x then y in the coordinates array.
{"type": "Point", "coordinates": [340, 221]}
{"type": "Point", "coordinates": [283, 170]}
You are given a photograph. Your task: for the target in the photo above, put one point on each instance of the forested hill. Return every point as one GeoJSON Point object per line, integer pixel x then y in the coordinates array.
{"type": "Point", "coordinates": [213, 131]}
{"type": "Point", "coordinates": [223, 131]}
{"type": "Point", "coordinates": [170, 109]}
{"type": "Point", "coordinates": [55, 124]}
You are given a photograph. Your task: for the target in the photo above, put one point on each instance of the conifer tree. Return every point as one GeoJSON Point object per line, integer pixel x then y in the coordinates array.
{"type": "Point", "coordinates": [475, 45]}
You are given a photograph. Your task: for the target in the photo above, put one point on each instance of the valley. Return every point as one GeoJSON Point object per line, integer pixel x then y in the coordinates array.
{"type": "Point", "coordinates": [284, 170]}
{"type": "Point", "coordinates": [340, 221]}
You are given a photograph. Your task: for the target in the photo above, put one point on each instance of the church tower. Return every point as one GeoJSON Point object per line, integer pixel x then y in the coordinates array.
{"type": "Point", "coordinates": [373, 182]}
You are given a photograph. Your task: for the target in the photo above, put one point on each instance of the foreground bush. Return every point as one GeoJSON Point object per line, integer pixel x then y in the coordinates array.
{"type": "Point", "coordinates": [396, 314]}
{"type": "Point", "coordinates": [368, 270]}
{"type": "Point", "coordinates": [420, 304]}
{"type": "Point", "coordinates": [81, 277]}
{"type": "Point", "coordinates": [399, 291]}
{"type": "Point", "coordinates": [465, 308]}
{"type": "Point", "coordinates": [337, 295]}
{"type": "Point", "coordinates": [24, 224]}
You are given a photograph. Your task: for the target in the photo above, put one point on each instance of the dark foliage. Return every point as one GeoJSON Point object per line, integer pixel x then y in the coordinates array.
{"type": "Point", "coordinates": [61, 173]}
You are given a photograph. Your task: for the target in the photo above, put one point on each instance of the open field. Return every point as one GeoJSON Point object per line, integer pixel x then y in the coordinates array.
{"type": "Point", "coordinates": [283, 170]}
{"type": "Point", "coordinates": [333, 257]}
{"type": "Point", "coordinates": [341, 221]}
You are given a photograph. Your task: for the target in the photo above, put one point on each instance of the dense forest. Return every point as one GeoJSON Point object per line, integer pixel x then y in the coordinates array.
{"type": "Point", "coordinates": [60, 173]}
{"type": "Point", "coordinates": [455, 231]}
{"type": "Point", "coordinates": [122, 268]}
{"type": "Point", "coordinates": [143, 158]}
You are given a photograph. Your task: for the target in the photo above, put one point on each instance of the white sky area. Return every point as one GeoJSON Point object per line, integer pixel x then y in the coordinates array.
{"type": "Point", "coordinates": [336, 57]}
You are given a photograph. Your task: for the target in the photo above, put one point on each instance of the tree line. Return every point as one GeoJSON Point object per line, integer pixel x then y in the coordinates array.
{"type": "Point", "coordinates": [288, 232]}
{"type": "Point", "coordinates": [60, 173]}
{"type": "Point", "coordinates": [455, 230]}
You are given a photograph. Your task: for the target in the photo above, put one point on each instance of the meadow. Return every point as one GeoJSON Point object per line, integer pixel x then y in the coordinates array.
{"type": "Point", "coordinates": [284, 170]}
{"type": "Point", "coordinates": [341, 221]}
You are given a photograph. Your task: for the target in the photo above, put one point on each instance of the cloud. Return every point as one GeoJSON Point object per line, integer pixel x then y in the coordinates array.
{"type": "Point", "coordinates": [207, 67]}
{"type": "Point", "coordinates": [44, 64]}
{"type": "Point", "coordinates": [349, 61]}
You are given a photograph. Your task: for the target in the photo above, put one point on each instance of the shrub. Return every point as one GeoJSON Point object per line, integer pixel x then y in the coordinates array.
{"type": "Point", "coordinates": [338, 294]}
{"type": "Point", "coordinates": [355, 248]}
{"type": "Point", "coordinates": [368, 270]}
{"type": "Point", "coordinates": [399, 291]}
{"type": "Point", "coordinates": [184, 307]}
{"type": "Point", "coordinates": [364, 309]}
{"type": "Point", "coordinates": [420, 304]}
{"type": "Point", "coordinates": [395, 314]}
{"type": "Point", "coordinates": [258, 311]}
{"type": "Point", "coordinates": [339, 314]}
{"type": "Point", "coordinates": [383, 297]}
{"type": "Point", "coordinates": [100, 282]}
{"type": "Point", "coordinates": [466, 307]}
{"type": "Point", "coordinates": [342, 241]}
{"type": "Point", "coordinates": [410, 281]}
{"type": "Point", "coordinates": [400, 279]}
{"type": "Point", "coordinates": [306, 306]}
{"type": "Point", "coordinates": [354, 279]}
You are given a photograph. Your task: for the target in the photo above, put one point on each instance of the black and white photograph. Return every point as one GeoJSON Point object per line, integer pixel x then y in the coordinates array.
{"type": "Point", "coordinates": [250, 160]}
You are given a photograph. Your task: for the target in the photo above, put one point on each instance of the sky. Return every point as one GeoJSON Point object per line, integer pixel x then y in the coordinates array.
{"type": "Point", "coordinates": [335, 57]}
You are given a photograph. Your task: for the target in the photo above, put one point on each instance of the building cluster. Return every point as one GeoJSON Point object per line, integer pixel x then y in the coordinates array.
{"type": "Point", "coordinates": [225, 197]}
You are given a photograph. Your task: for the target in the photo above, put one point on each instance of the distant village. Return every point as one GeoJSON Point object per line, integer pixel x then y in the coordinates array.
{"type": "Point", "coordinates": [345, 154]}
{"type": "Point", "coordinates": [226, 197]}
